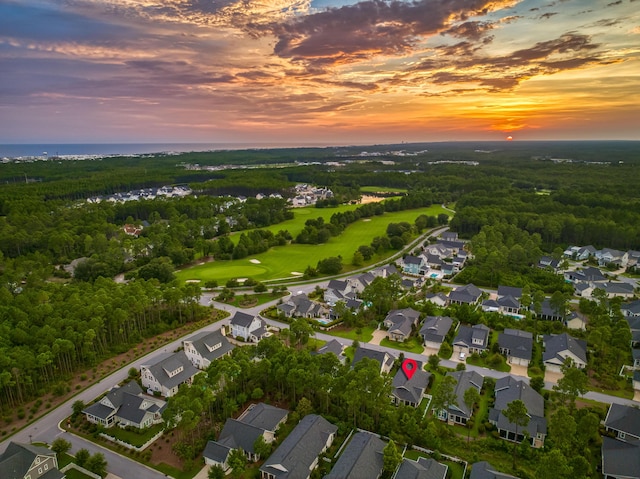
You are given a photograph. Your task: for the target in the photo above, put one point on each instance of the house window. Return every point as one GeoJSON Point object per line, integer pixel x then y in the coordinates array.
{"type": "Point", "coordinates": [39, 470]}
{"type": "Point", "coordinates": [621, 435]}
{"type": "Point", "coordinates": [46, 467]}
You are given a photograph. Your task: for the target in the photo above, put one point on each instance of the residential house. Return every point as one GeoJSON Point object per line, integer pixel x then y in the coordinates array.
{"type": "Point", "coordinates": [384, 271]}
{"type": "Point", "coordinates": [297, 456]}
{"type": "Point", "coordinates": [361, 458]}
{"type": "Point", "coordinates": [454, 246]}
{"type": "Point", "coordinates": [636, 381]}
{"type": "Point", "coordinates": [459, 413]}
{"type": "Point", "coordinates": [205, 347]}
{"type": "Point", "coordinates": [549, 313]}
{"type": "Point", "coordinates": [413, 264]}
{"type": "Point", "coordinates": [585, 252]}
{"type": "Point", "coordinates": [617, 289]}
{"type": "Point", "coordinates": [384, 359]}
{"type": "Point", "coordinates": [624, 422]}
{"type": "Point", "coordinates": [634, 259]}
{"type": "Point", "coordinates": [434, 331]}
{"type": "Point", "coordinates": [469, 340]}
{"type": "Point", "coordinates": [439, 299]}
{"type": "Point", "coordinates": [517, 346]}
{"type": "Point", "coordinates": [26, 461]}
{"type": "Point", "coordinates": [586, 275]}
{"type": "Point", "coordinates": [514, 292]}
{"type": "Point", "coordinates": [166, 372]}
{"type": "Point", "coordinates": [608, 256]}
{"type": "Point", "coordinates": [400, 323]}
{"type": "Point", "coordinates": [621, 456]}
{"type": "Point", "coordinates": [409, 388]}
{"type": "Point", "coordinates": [239, 435]}
{"type": "Point", "coordinates": [334, 347]}
{"type": "Point", "coordinates": [125, 406]}
{"type": "Point", "coordinates": [548, 262]}
{"type": "Point", "coordinates": [560, 347]}
{"type": "Point", "coordinates": [449, 236]}
{"type": "Point", "coordinates": [423, 468]}
{"type": "Point", "coordinates": [507, 305]}
{"type": "Point", "coordinates": [620, 459]}
{"type": "Point", "coordinates": [507, 390]}
{"type": "Point", "coordinates": [338, 290]}
{"type": "Point", "coordinates": [361, 281]}
{"type": "Point", "coordinates": [216, 454]}
{"type": "Point", "coordinates": [249, 328]}
{"type": "Point", "coordinates": [484, 470]}
{"type": "Point", "coordinates": [299, 305]}
{"type": "Point", "coordinates": [267, 417]}
{"type": "Point", "coordinates": [469, 294]}
{"type": "Point", "coordinates": [634, 326]}
{"type": "Point", "coordinates": [631, 310]}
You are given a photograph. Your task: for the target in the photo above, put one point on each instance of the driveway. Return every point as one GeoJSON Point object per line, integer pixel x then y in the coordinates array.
{"type": "Point", "coordinates": [552, 377]}
{"type": "Point", "coordinates": [518, 370]}
{"type": "Point", "coordinates": [378, 335]}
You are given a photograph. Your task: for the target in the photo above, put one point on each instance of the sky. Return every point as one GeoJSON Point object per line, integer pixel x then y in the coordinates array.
{"type": "Point", "coordinates": [318, 71]}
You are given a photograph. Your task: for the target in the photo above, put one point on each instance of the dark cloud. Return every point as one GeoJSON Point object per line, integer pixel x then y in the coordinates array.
{"type": "Point", "coordinates": [613, 4]}
{"type": "Point", "coordinates": [548, 15]}
{"type": "Point", "coordinates": [356, 32]}
{"type": "Point", "coordinates": [471, 30]}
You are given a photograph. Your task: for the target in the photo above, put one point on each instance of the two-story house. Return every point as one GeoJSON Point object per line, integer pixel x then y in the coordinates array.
{"type": "Point", "coordinates": [517, 346]}
{"type": "Point", "coordinates": [621, 456]}
{"type": "Point", "coordinates": [560, 347]}
{"type": "Point", "coordinates": [248, 327]}
{"type": "Point", "coordinates": [166, 372]}
{"type": "Point", "coordinates": [469, 340]}
{"type": "Point", "coordinates": [26, 461]}
{"type": "Point", "coordinates": [434, 330]}
{"type": "Point", "coordinates": [400, 323]}
{"type": "Point", "coordinates": [206, 346]}
{"type": "Point", "coordinates": [459, 413]}
{"type": "Point", "coordinates": [361, 458]}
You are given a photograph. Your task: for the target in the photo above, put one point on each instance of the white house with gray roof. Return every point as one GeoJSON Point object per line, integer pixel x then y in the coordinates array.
{"type": "Point", "coordinates": [26, 461]}
{"type": "Point", "coordinates": [207, 346]}
{"type": "Point", "coordinates": [166, 372]}
{"type": "Point", "coordinates": [507, 390]}
{"type": "Point", "coordinates": [248, 327]}
{"type": "Point", "coordinates": [384, 359]}
{"type": "Point", "coordinates": [125, 406]}
{"type": "Point", "coordinates": [560, 347]}
{"type": "Point", "coordinates": [471, 339]}
{"type": "Point", "coordinates": [298, 455]}
{"type": "Point", "coordinates": [400, 323]}
{"type": "Point", "coordinates": [361, 458]}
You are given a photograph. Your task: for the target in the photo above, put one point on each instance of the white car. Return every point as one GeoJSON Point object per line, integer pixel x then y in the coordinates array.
{"type": "Point", "coordinates": [462, 356]}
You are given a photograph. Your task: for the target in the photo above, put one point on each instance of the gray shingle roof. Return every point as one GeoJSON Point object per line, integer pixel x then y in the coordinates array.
{"type": "Point", "coordinates": [555, 344]}
{"type": "Point", "coordinates": [361, 459]}
{"type": "Point", "coordinates": [216, 452]}
{"type": "Point", "coordinates": [242, 319]}
{"type": "Point", "coordinates": [623, 418]}
{"type": "Point", "coordinates": [206, 343]}
{"type": "Point", "coordinates": [435, 328]}
{"type": "Point", "coordinates": [509, 291]}
{"type": "Point", "coordinates": [18, 458]}
{"type": "Point", "coordinates": [410, 389]}
{"type": "Point", "coordinates": [381, 357]}
{"type": "Point", "coordinates": [264, 416]}
{"type": "Point", "coordinates": [238, 435]}
{"type": "Point", "coordinates": [519, 343]}
{"type": "Point", "coordinates": [508, 390]}
{"type": "Point", "coordinates": [484, 470]}
{"type": "Point", "coordinates": [465, 380]}
{"type": "Point", "coordinates": [465, 294]}
{"type": "Point", "coordinates": [334, 346]}
{"type": "Point", "coordinates": [620, 459]}
{"type": "Point", "coordinates": [295, 455]}
{"type": "Point", "coordinates": [172, 362]}
{"type": "Point", "coordinates": [423, 468]}
{"type": "Point", "coordinates": [632, 308]}
{"type": "Point", "coordinates": [466, 335]}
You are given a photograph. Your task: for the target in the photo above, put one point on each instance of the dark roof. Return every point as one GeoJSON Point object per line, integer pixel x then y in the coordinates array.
{"type": "Point", "coordinates": [435, 328]}
{"type": "Point", "coordinates": [633, 307]}
{"type": "Point", "coordinates": [382, 357]}
{"type": "Point", "coordinates": [484, 470]}
{"type": "Point", "coordinates": [337, 285]}
{"type": "Point", "coordinates": [465, 380]}
{"type": "Point", "coordinates": [242, 319]}
{"type": "Point", "coordinates": [264, 416]}
{"type": "Point", "coordinates": [99, 410]}
{"type": "Point", "coordinates": [295, 455]}
{"type": "Point", "coordinates": [361, 459]}
{"type": "Point", "coordinates": [171, 362]}
{"type": "Point", "coordinates": [508, 390]}
{"type": "Point", "coordinates": [211, 344]}
{"type": "Point", "coordinates": [334, 346]}
{"type": "Point", "coordinates": [18, 458]}
{"type": "Point", "coordinates": [411, 389]}
{"type": "Point", "coordinates": [509, 291]}
{"type": "Point", "coordinates": [624, 418]}
{"type": "Point", "coordinates": [216, 452]}
{"type": "Point", "coordinates": [466, 294]}
{"type": "Point", "coordinates": [519, 343]}
{"type": "Point", "coordinates": [620, 459]}
{"type": "Point", "coordinates": [412, 260]}
{"type": "Point", "coordinates": [466, 335]}
{"type": "Point", "coordinates": [555, 344]}
{"type": "Point", "coordinates": [117, 394]}
{"type": "Point", "coordinates": [238, 435]}
{"type": "Point", "coordinates": [423, 468]}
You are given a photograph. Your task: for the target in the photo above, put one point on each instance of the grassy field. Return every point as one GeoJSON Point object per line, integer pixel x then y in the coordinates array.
{"type": "Point", "coordinates": [412, 346]}
{"type": "Point", "coordinates": [381, 189]}
{"type": "Point", "coordinates": [285, 261]}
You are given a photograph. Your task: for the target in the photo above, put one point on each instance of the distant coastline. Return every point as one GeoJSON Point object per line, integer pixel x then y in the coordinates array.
{"type": "Point", "coordinates": [123, 149]}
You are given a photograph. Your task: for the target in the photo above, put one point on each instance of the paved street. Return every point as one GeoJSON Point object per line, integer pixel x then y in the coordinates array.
{"type": "Point", "coordinates": [46, 429]}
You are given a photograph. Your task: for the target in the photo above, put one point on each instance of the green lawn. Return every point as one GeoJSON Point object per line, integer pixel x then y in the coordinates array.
{"type": "Point", "coordinates": [366, 334]}
{"type": "Point", "coordinates": [455, 471]}
{"type": "Point", "coordinates": [251, 300]}
{"type": "Point", "coordinates": [284, 261]}
{"type": "Point", "coordinates": [75, 474]}
{"type": "Point", "coordinates": [381, 189]}
{"type": "Point", "coordinates": [134, 438]}
{"type": "Point", "coordinates": [412, 346]}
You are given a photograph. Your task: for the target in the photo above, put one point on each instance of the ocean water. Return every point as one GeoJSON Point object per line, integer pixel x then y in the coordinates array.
{"type": "Point", "coordinates": [106, 149]}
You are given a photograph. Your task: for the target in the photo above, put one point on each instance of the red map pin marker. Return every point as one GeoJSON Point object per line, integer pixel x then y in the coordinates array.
{"type": "Point", "coordinates": [409, 366]}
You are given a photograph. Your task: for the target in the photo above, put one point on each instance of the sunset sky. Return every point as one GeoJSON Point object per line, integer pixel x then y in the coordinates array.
{"type": "Point", "coordinates": [318, 71]}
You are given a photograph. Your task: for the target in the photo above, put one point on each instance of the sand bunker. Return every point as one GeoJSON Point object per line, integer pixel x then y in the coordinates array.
{"type": "Point", "coordinates": [295, 273]}
{"type": "Point", "coordinates": [366, 219]}
{"type": "Point", "coordinates": [254, 261]}
{"type": "Point", "coordinates": [192, 281]}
